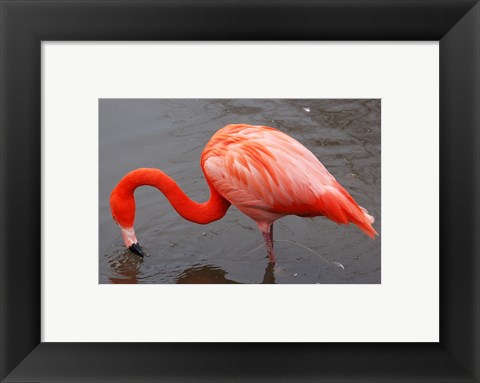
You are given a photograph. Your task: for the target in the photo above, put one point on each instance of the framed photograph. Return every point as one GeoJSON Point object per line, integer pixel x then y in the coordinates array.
{"type": "Point", "coordinates": [196, 251]}
{"type": "Point", "coordinates": [349, 127]}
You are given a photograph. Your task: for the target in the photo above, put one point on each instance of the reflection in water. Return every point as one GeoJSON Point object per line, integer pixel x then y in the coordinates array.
{"type": "Point", "coordinates": [126, 267]}
{"type": "Point", "coordinates": [215, 275]}
{"type": "Point", "coordinates": [203, 274]}
{"type": "Point", "coordinates": [269, 277]}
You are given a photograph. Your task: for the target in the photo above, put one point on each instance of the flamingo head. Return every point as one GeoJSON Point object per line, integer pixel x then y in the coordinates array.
{"type": "Point", "coordinates": [123, 212]}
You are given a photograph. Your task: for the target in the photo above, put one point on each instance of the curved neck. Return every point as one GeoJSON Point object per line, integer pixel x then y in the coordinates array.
{"type": "Point", "coordinates": [122, 201]}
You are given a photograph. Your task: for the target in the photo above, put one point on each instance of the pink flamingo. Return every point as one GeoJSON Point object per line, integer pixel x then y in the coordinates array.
{"type": "Point", "coordinates": [265, 173]}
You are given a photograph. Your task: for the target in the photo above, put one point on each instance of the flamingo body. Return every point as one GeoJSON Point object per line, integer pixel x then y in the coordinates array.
{"type": "Point", "coordinates": [265, 173]}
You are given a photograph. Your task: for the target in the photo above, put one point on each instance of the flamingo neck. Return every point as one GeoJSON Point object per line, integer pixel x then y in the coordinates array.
{"type": "Point", "coordinates": [122, 201]}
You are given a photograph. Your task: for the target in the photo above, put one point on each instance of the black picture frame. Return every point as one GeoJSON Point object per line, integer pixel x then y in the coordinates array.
{"type": "Point", "coordinates": [24, 24]}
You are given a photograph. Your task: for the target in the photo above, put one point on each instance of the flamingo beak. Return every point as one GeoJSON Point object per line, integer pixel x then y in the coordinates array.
{"type": "Point", "coordinates": [131, 242]}
{"type": "Point", "coordinates": [136, 248]}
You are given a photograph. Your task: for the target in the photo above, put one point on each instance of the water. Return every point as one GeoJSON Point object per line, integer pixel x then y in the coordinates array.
{"type": "Point", "coordinates": [171, 134]}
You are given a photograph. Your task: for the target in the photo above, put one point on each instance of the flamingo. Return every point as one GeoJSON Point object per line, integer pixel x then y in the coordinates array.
{"type": "Point", "coordinates": [264, 172]}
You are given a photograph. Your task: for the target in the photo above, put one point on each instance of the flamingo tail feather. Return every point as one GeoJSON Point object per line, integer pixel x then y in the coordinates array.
{"type": "Point", "coordinates": [340, 207]}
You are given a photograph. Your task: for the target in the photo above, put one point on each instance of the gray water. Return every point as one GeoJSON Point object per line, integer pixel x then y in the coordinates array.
{"type": "Point", "coordinates": [171, 134]}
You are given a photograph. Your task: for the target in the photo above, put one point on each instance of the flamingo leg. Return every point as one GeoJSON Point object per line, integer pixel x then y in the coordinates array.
{"type": "Point", "coordinates": [268, 237]}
